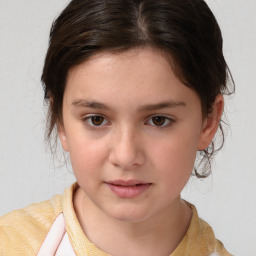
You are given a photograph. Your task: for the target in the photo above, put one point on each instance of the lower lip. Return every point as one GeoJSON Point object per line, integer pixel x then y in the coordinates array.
{"type": "Point", "coordinates": [129, 191]}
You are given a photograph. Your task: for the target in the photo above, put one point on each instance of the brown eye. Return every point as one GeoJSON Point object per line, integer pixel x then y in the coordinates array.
{"type": "Point", "coordinates": [159, 120]}
{"type": "Point", "coordinates": [97, 120]}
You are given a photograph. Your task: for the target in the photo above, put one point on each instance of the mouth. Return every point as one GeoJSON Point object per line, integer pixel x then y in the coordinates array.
{"type": "Point", "coordinates": [129, 188]}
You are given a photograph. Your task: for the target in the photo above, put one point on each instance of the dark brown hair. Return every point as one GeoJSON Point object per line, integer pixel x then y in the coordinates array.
{"type": "Point", "coordinates": [186, 30]}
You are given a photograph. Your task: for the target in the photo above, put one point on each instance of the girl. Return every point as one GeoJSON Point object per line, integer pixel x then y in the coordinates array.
{"type": "Point", "coordinates": [135, 94]}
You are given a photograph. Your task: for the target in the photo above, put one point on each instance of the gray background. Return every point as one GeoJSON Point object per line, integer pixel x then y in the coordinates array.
{"type": "Point", "coordinates": [227, 200]}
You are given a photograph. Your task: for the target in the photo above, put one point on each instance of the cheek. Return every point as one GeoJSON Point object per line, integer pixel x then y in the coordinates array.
{"type": "Point", "coordinates": [176, 165]}
{"type": "Point", "coordinates": [176, 157]}
{"type": "Point", "coordinates": [86, 156]}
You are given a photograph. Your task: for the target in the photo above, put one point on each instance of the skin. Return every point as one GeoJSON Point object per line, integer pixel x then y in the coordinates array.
{"type": "Point", "coordinates": [129, 143]}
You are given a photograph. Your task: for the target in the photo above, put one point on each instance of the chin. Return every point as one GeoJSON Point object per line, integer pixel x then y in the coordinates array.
{"type": "Point", "coordinates": [129, 215]}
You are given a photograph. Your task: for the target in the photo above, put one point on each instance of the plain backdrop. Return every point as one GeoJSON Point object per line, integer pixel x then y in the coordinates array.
{"type": "Point", "coordinates": [227, 199]}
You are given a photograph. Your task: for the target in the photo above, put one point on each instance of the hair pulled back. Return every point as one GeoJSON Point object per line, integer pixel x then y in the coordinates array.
{"type": "Point", "coordinates": [186, 30]}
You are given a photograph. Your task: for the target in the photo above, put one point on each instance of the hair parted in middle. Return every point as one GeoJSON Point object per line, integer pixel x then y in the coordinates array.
{"type": "Point", "coordinates": [186, 31]}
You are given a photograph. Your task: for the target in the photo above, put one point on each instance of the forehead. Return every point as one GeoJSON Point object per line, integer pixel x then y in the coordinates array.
{"type": "Point", "coordinates": [131, 76]}
{"type": "Point", "coordinates": [147, 57]}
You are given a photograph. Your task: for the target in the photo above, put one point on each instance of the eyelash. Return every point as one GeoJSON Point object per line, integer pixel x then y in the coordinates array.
{"type": "Point", "coordinates": [167, 121]}
{"type": "Point", "coordinates": [88, 120]}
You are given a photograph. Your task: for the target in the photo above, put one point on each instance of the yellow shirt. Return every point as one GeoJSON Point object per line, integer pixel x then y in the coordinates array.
{"type": "Point", "coordinates": [22, 232]}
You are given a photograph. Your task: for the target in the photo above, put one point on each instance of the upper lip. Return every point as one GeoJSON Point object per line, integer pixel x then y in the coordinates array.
{"type": "Point", "coordinates": [127, 182]}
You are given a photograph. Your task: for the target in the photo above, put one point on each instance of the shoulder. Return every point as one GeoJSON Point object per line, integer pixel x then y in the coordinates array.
{"type": "Point", "coordinates": [208, 240]}
{"type": "Point", "coordinates": [24, 230]}
{"type": "Point", "coordinates": [200, 239]}
{"type": "Point", "coordinates": [204, 236]}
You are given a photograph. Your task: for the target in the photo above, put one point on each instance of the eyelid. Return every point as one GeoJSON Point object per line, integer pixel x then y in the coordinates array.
{"type": "Point", "coordinates": [85, 119]}
{"type": "Point", "coordinates": [170, 120]}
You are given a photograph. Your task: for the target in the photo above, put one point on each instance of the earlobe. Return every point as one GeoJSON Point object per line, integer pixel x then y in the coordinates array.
{"type": "Point", "coordinates": [62, 137]}
{"type": "Point", "coordinates": [211, 123]}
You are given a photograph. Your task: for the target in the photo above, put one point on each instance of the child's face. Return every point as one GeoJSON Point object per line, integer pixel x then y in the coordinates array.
{"type": "Point", "coordinates": [132, 130]}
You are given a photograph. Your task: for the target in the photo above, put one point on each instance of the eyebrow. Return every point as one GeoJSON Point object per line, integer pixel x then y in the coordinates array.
{"type": "Point", "coordinates": [161, 105]}
{"type": "Point", "coordinates": [148, 107]}
{"type": "Point", "coordinates": [90, 104]}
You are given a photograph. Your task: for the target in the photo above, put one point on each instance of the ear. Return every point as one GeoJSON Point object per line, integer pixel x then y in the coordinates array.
{"type": "Point", "coordinates": [211, 123]}
{"type": "Point", "coordinates": [63, 137]}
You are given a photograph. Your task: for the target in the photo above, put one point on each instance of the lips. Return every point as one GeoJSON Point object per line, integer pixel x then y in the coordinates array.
{"type": "Point", "coordinates": [129, 188]}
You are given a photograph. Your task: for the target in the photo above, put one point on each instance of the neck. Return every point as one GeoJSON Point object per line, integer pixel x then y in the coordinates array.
{"type": "Point", "coordinates": [159, 235]}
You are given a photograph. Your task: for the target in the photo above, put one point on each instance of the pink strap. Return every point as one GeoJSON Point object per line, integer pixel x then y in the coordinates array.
{"type": "Point", "coordinates": [57, 242]}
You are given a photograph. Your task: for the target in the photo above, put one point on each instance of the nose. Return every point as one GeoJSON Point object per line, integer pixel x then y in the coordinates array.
{"type": "Point", "coordinates": [126, 149]}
